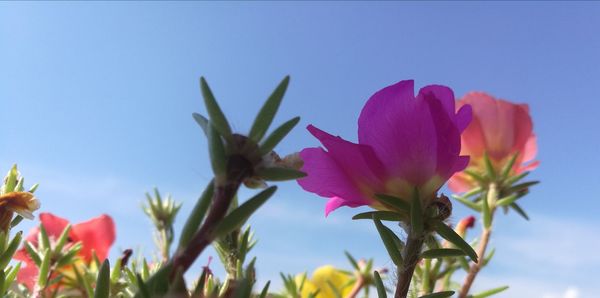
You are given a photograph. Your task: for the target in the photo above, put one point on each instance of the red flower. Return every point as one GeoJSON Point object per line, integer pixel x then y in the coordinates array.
{"type": "Point", "coordinates": [95, 235]}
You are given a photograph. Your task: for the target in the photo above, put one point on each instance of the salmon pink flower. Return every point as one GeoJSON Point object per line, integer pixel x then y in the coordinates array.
{"type": "Point", "coordinates": [404, 142]}
{"type": "Point", "coordinates": [499, 129]}
{"type": "Point", "coordinates": [95, 235]}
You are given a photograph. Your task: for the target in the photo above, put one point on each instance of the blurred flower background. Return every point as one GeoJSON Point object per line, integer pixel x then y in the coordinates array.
{"type": "Point", "coordinates": [95, 104]}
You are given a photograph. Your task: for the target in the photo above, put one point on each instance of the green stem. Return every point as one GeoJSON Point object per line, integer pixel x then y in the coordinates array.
{"type": "Point", "coordinates": [492, 197]}
{"type": "Point", "coordinates": [410, 254]}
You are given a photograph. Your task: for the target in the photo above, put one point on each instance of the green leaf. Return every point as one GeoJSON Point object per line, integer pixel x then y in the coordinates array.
{"type": "Point", "coordinates": [43, 239]}
{"type": "Point", "coordinates": [388, 242]}
{"type": "Point", "coordinates": [522, 186]}
{"type": "Point", "coordinates": [438, 295]}
{"type": "Point", "coordinates": [195, 219]}
{"type": "Point", "coordinates": [62, 239]}
{"type": "Point", "coordinates": [468, 203]}
{"type": "Point", "coordinates": [394, 202]}
{"type": "Point", "coordinates": [2, 282]}
{"type": "Point", "coordinates": [513, 179]}
{"type": "Point", "coordinates": [11, 179]}
{"type": "Point", "coordinates": [519, 210]}
{"type": "Point", "coordinates": [238, 216]}
{"type": "Point", "coordinates": [12, 274]}
{"type": "Point", "coordinates": [265, 290]}
{"type": "Point", "coordinates": [476, 176]}
{"type": "Point", "coordinates": [381, 293]}
{"type": "Point", "coordinates": [491, 292]}
{"type": "Point", "coordinates": [416, 215]}
{"type": "Point", "coordinates": [216, 149]}
{"type": "Point", "coordinates": [507, 200]}
{"type": "Point", "coordinates": [143, 289]}
{"type": "Point", "coordinates": [202, 122]}
{"type": "Point", "coordinates": [267, 112]}
{"type": "Point", "coordinates": [103, 281]}
{"type": "Point", "coordinates": [489, 257]}
{"type": "Point", "coordinates": [217, 118]}
{"type": "Point", "coordinates": [33, 253]}
{"type": "Point", "coordinates": [34, 187]}
{"type": "Point", "coordinates": [277, 135]}
{"type": "Point", "coordinates": [381, 215]}
{"type": "Point", "coordinates": [83, 282]}
{"type": "Point", "coordinates": [489, 168]}
{"type": "Point", "coordinates": [508, 166]}
{"type": "Point", "coordinates": [279, 174]}
{"type": "Point", "coordinates": [476, 190]}
{"type": "Point", "coordinates": [352, 260]}
{"type": "Point", "coordinates": [442, 253]}
{"type": "Point", "coordinates": [16, 221]}
{"type": "Point", "coordinates": [10, 250]}
{"type": "Point", "coordinates": [447, 233]}
{"type": "Point", "coordinates": [44, 268]}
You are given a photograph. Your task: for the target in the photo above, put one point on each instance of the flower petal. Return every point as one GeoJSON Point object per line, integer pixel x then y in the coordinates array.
{"type": "Point", "coordinates": [96, 234]}
{"type": "Point", "coordinates": [401, 131]}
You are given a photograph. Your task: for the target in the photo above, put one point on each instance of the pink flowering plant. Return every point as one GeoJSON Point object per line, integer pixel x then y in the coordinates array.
{"type": "Point", "coordinates": [408, 147]}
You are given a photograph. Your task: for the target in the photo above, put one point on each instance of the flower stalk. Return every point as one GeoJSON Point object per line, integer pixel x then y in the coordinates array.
{"type": "Point", "coordinates": [410, 254]}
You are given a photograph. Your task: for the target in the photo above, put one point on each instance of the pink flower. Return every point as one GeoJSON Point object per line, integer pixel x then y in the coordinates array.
{"type": "Point", "coordinates": [500, 129]}
{"type": "Point", "coordinates": [404, 142]}
{"type": "Point", "coordinates": [95, 235]}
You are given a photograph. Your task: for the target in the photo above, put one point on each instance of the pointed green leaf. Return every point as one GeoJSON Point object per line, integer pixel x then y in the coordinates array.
{"type": "Point", "coordinates": [103, 282]}
{"type": "Point", "coordinates": [277, 135]}
{"type": "Point", "coordinates": [265, 290]}
{"type": "Point", "coordinates": [142, 288]}
{"type": "Point", "coordinates": [352, 260]}
{"type": "Point", "coordinates": [507, 200]}
{"type": "Point", "coordinates": [442, 253]}
{"type": "Point", "coordinates": [416, 215]}
{"type": "Point", "coordinates": [10, 250]}
{"type": "Point", "coordinates": [17, 220]}
{"type": "Point", "coordinates": [62, 239]}
{"type": "Point", "coordinates": [42, 278]}
{"type": "Point", "coordinates": [238, 216]}
{"type": "Point", "coordinates": [489, 168]}
{"type": "Point", "coordinates": [447, 233]}
{"type": "Point", "coordinates": [491, 292]}
{"type": "Point", "coordinates": [43, 239]}
{"type": "Point", "coordinates": [267, 112]}
{"type": "Point", "coordinates": [279, 174]}
{"type": "Point", "coordinates": [12, 274]}
{"type": "Point", "coordinates": [508, 166]}
{"type": "Point", "coordinates": [513, 179]}
{"type": "Point", "coordinates": [217, 118]}
{"type": "Point", "coordinates": [33, 253]}
{"type": "Point", "coordinates": [381, 293]}
{"type": "Point", "coordinates": [476, 190]}
{"type": "Point", "coordinates": [11, 179]}
{"type": "Point", "coordinates": [216, 149]}
{"type": "Point", "coordinates": [476, 176]}
{"type": "Point", "coordinates": [381, 215]}
{"type": "Point", "coordinates": [394, 202]}
{"type": "Point", "coordinates": [519, 210]}
{"type": "Point", "coordinates": [195, 219]}
{"type": "Point", "coordinates": [202, 122]}
{"type": "Point", "coordinates": [34, 187]}
{"type": "Point", "coordinates": [438, 295]}
{"type": "Point", "coordinates": [468, 203]}
{"type": "Point", "coordinates": [388, 242]}
{"type": "Point", "coordinates": [521, 186]}
{"type": "Point", "coordinates": [489, 257]}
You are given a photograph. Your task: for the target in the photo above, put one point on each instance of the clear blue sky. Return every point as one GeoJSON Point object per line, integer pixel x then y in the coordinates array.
{"type": "Point", "coordinates": [96, 102]}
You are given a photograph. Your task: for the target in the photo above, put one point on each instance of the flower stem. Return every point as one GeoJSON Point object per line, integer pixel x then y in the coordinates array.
{"type": "Point", "coordinates": [486, 232]}
{"type": "Point", "coordinates": [410, 253]}
{"type": "Point", "coordinates": [238, 169]}
{"type": "Point", "coordinates": [360, 283]}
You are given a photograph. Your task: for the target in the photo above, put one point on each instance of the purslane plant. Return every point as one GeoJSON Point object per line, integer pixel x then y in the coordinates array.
{"type": "Point", "coordinates": [408, 147]}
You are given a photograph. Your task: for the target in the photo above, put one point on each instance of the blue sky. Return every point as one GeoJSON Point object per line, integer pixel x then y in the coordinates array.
{"type": "Point", "coordinates": [96, 102]}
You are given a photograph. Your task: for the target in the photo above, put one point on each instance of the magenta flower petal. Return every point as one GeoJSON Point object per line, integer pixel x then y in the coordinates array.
{"type": "Point", "coordinates": [342, 172]}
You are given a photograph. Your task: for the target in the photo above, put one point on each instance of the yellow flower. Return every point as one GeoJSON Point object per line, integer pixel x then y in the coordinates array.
{"type": "Point", "coordinates": [323, 279]}
{"type": "Point", "coordinates": [20, 202]}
